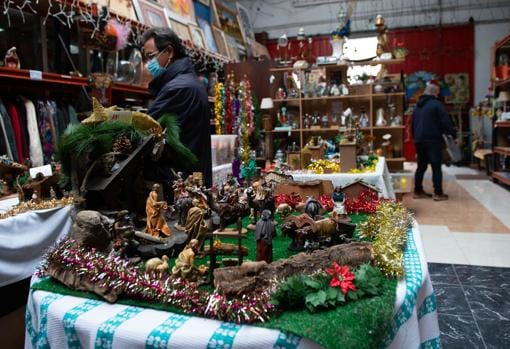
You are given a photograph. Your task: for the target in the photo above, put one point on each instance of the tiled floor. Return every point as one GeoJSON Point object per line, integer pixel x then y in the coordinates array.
{"type": "Point", "coordinates": [467, 244]}
{"type": "Point", "coordinates": [473, 305]}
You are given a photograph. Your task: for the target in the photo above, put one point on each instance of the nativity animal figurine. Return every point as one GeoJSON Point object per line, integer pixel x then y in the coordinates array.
{"type": "Point", "coordinates": [157, 265]}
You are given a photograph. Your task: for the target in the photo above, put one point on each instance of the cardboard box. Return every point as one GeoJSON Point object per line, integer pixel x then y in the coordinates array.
{"type": "Point", "coordinates": [313, 188]}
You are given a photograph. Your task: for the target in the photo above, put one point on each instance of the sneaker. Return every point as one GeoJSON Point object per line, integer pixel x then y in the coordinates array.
{"type": "Point", "coordinates": [440, 197]}
{"type": "Point", "coordinates": [421, 195]}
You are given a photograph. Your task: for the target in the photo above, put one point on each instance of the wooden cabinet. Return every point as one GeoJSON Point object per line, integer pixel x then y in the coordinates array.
{"type": "Point", "coordinates": [360, 98]}
{"type": "Point", "coordinates": [501, 131]}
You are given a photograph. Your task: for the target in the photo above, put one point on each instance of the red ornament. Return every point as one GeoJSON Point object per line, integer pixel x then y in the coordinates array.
{"type": "Point", "coordinates": [327, 202]}
{"type": "Point", "coordinates": [341, 277]}
{"type": "Point", "coordinates": [366, 202]}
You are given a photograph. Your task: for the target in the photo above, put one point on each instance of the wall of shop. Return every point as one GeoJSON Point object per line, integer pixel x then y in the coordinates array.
{"type": "Point", "coordinates": [283, 17]}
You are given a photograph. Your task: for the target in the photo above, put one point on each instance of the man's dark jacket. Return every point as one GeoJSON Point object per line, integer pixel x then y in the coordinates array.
{"type": "Point", "coordinates": [431, 121]}
{"type": "Point", "coordinates": [178, 91]}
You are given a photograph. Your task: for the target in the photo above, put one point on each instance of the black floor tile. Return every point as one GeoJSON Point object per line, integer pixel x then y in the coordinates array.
{"type": "Point", "coordinates": [459, 331]}
{"type": "Point", "coordinates": [442, 274]}
{"type": "Point", "coordinates": [451, 300]}
{"type": "Point", "coordinates": [495, 333]}
{"type": "Point", "coordinates": [488, 304]}
{"type": "Point", "coordinates": [486, 277]}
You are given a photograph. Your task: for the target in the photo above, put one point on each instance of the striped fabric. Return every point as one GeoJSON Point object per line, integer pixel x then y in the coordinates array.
{"type": "Point", "coordinates": [54, 320]}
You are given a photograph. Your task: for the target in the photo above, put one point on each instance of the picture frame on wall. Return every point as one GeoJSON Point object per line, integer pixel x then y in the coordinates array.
{"type": "Point", "coordinates": [151, 13]}
{"type": "Point", "coordinates": [197, 36]}
{"type": "Point", "coordinates": [180, 29]}
{"type": "Point", "coordinates": [232, 47]}
{"type": "Point", "coordinates": [221, 41]}
{"type": "Point", "coordinates": [245, 25]}
{"type": "Point", "coordinates": [208, 35]}
{"type": "Point", "coordinates": [182, 11]}
{"type": "Point", "coordinates": [124, 8]}
{"type": "Point", "coordinates": [215, 20]}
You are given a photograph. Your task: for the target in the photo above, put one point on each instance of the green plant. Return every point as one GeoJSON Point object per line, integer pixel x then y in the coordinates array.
{"type": "Point", "coordinates": [170, 123]}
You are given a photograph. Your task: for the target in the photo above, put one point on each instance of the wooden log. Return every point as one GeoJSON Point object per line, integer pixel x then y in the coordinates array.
{"type": "Point", "coordinates": [251, 276]}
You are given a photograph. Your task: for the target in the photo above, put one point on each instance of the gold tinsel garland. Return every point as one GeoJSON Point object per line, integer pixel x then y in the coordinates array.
{"type": "Point", "coordinates": [219, 107]}
{"type": "Point", "coordinates": [32, 206]}
{"type": "Point", "coordinates": [387, 229]}
{"type": "Point", "coordinates": [324, 166]}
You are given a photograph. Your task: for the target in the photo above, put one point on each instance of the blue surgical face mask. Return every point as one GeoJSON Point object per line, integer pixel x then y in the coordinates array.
{"type": "Point", "coordinates": [154, 68]}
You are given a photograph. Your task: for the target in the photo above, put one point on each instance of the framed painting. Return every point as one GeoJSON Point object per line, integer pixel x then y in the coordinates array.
{"type": "Point", "coordinates": [197, 36]}
{"type": "Point", "coordinates": [122, 8]}
{"type": "Point", "coordinates": [181, 30]}
{"type": "Point", "coordinates": [151, 13]}
{"type": "Point", "coordinates": [245, 22]}
{"type": "Point", "coordinates": [215, 20]}
{"type": "Point", "coordinates": [458, 87]}
{"type": "Point", "coordinates": [232, 47]}
{"type": "Point", "coordinates": [221, 42]}
{"type": "Point", "coordinates": [181, 10]}
{"type": "Point", "coordinates": [208, 35]}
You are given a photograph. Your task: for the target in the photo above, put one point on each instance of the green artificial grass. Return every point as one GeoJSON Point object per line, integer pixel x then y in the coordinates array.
{"type": "Point", "coordinates": [358, 324]}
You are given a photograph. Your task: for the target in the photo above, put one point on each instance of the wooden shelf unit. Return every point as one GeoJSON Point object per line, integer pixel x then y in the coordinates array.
{"type": "Point", "coordinates": [360, 96]}
{"type": "Point", "coordinates": [501, 129]}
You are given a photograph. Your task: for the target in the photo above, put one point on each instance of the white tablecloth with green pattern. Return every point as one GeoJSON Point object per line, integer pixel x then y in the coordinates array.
{"type": "Point", "coordinates": [58, 321]}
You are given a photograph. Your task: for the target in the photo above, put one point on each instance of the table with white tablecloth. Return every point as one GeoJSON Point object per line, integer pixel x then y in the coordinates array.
{"type": "Point", "coordinates": [25, 237]}
{"type": "Point", "coordinates": [380, 178]}
{"type": "Point", "coordinates": [56, 320]}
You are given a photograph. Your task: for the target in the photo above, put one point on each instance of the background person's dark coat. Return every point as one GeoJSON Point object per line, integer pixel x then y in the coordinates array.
{"type": "Point", "coordinates": [431, 121]}
{"type": "Point", "coordinates": [178, 91]}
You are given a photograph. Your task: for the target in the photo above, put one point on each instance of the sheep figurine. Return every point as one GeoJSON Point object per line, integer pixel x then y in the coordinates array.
{"type": "Point", "coordinates": [157, 265]}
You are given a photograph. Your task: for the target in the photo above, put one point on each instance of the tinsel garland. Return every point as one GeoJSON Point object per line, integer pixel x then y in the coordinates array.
{"type": "Point", "coordinates": [242, 122]}
{"type": "Point", "coordinates": [366, 202]}
{"type": "Point", "coordinates": [387, 229]}
{"type": "Point", "coordinates": [31, 206]}
{"type": "Point", "coordinates": [114, 273]}
{"type": "Point", "coordinates": [367, 166]}
{"type": "Point", "coordinates": [248, 106]}
{"type": "Point", "coordinates": [229, 95]}
{"type": "Point", "coordinates": [219, 108]}
{"type": "Point", "coordinates": [324, 166]}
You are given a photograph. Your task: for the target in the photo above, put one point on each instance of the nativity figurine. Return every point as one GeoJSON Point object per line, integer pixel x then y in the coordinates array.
{"type": "Point", "coordinates": [264, 233]}
{"type": "Point", "coordinates": [156, 223]}
{"type": "Point", "coordinates": [185, 263]}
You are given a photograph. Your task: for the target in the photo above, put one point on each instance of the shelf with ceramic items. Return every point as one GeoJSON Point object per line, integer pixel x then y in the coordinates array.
{"type": "Point", "coordinates": [501, 125]}
{"type": "Point", "coordinates": [340, 65]}
{"type": "Point", "coordinates": [42, 77]}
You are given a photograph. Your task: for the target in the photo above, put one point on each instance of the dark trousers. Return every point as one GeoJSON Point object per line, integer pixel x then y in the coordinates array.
{"type": "Point", "coordinates": [429, 153]}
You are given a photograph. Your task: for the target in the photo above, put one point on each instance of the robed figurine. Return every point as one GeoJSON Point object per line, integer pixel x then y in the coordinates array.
{"type": "Point", "coordinates": [264, 233]}
{"type": "Point", "coordinates": [156, 223]}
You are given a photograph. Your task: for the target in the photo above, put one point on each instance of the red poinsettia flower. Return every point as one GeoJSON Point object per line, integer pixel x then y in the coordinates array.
{"type": "Point", "coordinates": [341, 277]}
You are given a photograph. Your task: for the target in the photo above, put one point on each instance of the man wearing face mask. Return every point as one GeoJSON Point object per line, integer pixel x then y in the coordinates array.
{"type": "Point", "coordinates": [177, 90]}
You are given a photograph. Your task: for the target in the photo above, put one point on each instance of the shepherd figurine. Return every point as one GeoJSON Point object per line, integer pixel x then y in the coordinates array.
{"type": "Point", "coordinates": [264, 233]}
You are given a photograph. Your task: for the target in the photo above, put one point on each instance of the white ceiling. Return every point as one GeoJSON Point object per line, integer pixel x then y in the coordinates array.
{"type": "Point", "coordinates": [279, 17]}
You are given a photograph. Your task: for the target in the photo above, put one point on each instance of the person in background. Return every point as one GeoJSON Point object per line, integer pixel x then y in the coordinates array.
{"type": "Point", "coordinates": [177, 90]}
{"type": "Point", "coordinates": [430, 122]}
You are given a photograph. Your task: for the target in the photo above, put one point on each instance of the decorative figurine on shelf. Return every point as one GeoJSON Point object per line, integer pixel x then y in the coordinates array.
{"type": "Point", "coordinates": [195, 225]}
{"type": "Point", "coordinates": [306, 121]}
{"type": "Point", "coordinates": [380, 120]}
{"type": "Point", "coordinates": [264, 233]}
{"type": "Point", "coordinates": [11, 59]}
{"type": "Point", "coordinates": [344, 90]}
{"type": "Point", "coordinates": [325, 121]}
{"type": "Point", "coordinates": [280, 94]}
{"type": "Point", "coordinates": [347, 117]}
{"type": "Point", "coordinates": [396, 120]}
{"type": "Point", "coordinates": [363, 119]}
{"type": "Point", "coordinates": [156, 223]}
{"type": "Point", "coordinates": [185, 263]}
{"type": "Point", "coordinates": [334, 90]}
{"type": "Point", "coordinates": [387, 147]}
{"type": "Point", "coordinates": [316, 119]}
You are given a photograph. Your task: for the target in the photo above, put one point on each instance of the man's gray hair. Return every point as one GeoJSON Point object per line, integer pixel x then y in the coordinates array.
{"type": "Point", "coordinates": [431, 90]}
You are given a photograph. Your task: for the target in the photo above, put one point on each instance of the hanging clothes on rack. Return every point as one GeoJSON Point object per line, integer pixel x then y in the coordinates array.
{"type": "Point", "coordinates": [17, 130]}
{"type": "Point", "coordinates": [35, 146]}
{"type": "Point", "coordinates": [44, 122]}
{"type": "Point", "coordinates": [9, 139]}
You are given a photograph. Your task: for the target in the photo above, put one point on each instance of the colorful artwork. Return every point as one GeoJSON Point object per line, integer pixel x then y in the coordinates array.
{"type": "Point", "coordinates": [122, 8]}
{"type": "Point", "coordinates": [181, 10]}
{"type": "Point", "coordinates": [197, 36]}
{"type": "Point", "coordinates": [221, 42]}
{"type": "Point", "coordinates": [151, 13]}
{"type": "Point", "coordinates": [181, 30]}
{"type": "Point", "coordinates": [245, 22]}
{"type": "Point", "coordinates": [208, 35]}
{"type": "Point", "coordinates": [233, 50]}
{"type": "Point", "coordinates": [458, 84]}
